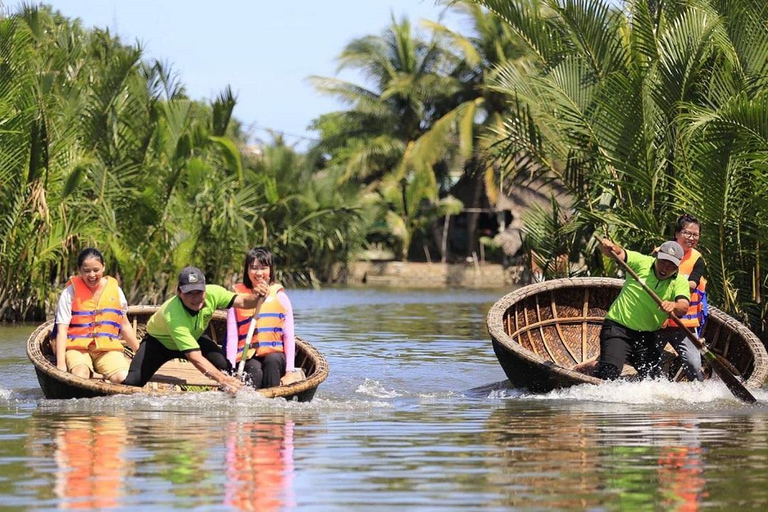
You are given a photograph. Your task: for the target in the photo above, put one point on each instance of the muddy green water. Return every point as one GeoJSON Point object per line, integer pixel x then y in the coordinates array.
{"type": "Point", "coordinates": [414, 416]}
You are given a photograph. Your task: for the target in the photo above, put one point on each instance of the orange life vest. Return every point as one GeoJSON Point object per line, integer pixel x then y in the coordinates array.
{"type": "Point", "coordinates": [91, 461]}
{"type": "Point", "coordinates": [268, 336]}
{"type": "Point", "coordinates": [694, 317]}
{"type": "Point", "coordinates": [259, 466]}
{"type": "Point", "coordinates": [95, 323]}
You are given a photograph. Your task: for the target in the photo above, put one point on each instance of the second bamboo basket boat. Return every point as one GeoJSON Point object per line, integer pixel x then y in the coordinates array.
{"type": "Point", "coordinates": [542, 332]}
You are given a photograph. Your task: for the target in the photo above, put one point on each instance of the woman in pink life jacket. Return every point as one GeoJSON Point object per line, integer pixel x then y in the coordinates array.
{"type": "Point", "coordinates": [270, 357]}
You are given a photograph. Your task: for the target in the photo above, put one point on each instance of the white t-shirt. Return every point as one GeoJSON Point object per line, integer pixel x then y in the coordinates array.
{"type": "Point", "coordinates": [64, 309]}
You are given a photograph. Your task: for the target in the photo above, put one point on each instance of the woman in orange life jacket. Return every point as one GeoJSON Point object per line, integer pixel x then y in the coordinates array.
{"type": "Point", "coordinates": [89, 319]}
{"type": "Point", "coordinates": [270, 358]}
{"type": "Point", "coordinates": [687, 233]}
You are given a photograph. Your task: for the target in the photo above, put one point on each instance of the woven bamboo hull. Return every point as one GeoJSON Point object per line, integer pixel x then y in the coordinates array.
{"type": "Point", "coordinates": [542, 331]}
{"type": "Point", "coordinates": [174, 377]}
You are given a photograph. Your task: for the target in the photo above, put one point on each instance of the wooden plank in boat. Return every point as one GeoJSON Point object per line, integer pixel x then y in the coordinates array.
{"type": "Point", "coordinates": [178, 372]}
{"type": "Point", "coordinates": [181, 371]}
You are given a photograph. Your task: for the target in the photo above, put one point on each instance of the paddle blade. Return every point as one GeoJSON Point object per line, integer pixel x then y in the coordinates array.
{"type": "Point", "coordinates": [734, 385]}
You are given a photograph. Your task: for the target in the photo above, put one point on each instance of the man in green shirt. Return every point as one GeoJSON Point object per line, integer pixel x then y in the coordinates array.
{"type": "Point", "coordinates": [629, 330]}
{"type": "Point", "coordinates": [176, 330]}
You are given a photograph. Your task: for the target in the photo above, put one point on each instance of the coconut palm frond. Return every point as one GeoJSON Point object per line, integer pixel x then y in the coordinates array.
{"type": "Point", "coordinates": [348, 92]}
{"type": "Point", "coordinates": [373, 157]}
{"type": "Point", "coordinates": [531, 21]}
{"type": "Point", "coordinates": [594, 28]}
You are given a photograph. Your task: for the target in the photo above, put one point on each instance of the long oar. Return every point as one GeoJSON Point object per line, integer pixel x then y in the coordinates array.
{"type": "Point", "coordinates": [734, 385]}
{"type": "Point", "coordinates": [247, 346]}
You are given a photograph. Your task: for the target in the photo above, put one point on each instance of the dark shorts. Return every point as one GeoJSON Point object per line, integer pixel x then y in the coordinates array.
{"type": "Point", "coordinates": [621, 345]}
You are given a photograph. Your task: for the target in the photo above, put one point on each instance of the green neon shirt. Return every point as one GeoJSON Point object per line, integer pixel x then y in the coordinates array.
{"type": "Point", "coordinates": [634, 308]}
{"type": "Point", "coordinates": [176, 328]}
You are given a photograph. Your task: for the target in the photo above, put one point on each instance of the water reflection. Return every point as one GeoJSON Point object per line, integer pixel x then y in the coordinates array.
{"type": "Point", "coordinates": [681, 469]}
{"type": "Point", "coordinates": [91, 468]}
{"type": "Point", "coordinates": [102, 461]}
{"type": "Point", "coordinates": [181, 456]}
{"type": "Point", "coordinates": [585, 459]}
{"type": "Point", "coordinates": [259, 462]}
{"type": "Point", "coordinates": [392, 428]}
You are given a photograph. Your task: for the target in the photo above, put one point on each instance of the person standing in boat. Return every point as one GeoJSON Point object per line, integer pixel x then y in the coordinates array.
{"type": "Point", "coordinates": [90, 318]}
{"type": "Point", "coordinates": [629, 330]}
{"type": "Point", "coordinates": [692, 266]}
{"type": "Point", "coordinates": [270, 358]}
{"type": "Point", "coordinates": [176, 330]}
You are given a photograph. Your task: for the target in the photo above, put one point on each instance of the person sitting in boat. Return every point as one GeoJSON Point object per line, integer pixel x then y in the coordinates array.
{"type": "Point", "coordinates": [176, 330]}
{"type": "Point", "coordinates": [270, 357]}
{"type": "Point", "coordinates": [90, 318]}
{"type": "Point", "coordinates": [692, 266]}
{"type": "Point", "coordinates": [629, 330]}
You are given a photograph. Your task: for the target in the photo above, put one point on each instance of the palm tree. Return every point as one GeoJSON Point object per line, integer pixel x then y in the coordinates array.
{"type": "Point", "coordinates": [37, 141]}
{"type": "Point", "coordinates": [96, 146]}
{"type": "Point", "coordinates": [469, 116]}
{"type": "Point", "coordinates": [311, 228]}
{"type": "Point", "coordinates": [99, 148]}
{"type": "Point", "coordinates": [382, 135]}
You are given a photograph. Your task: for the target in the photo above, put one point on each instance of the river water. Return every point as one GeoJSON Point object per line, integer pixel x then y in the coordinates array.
{"type": "Point", "coordinates": [414, 415]}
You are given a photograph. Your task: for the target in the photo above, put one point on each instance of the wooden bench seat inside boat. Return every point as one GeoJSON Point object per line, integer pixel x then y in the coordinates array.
{"type": "Point", "coordinates": [176, 372]}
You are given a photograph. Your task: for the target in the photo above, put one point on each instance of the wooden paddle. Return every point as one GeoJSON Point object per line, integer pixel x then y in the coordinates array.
{"type": "Point", "coordinates": [247, 346]}
{"type": "Point", "coordinates": [734, 385]}
{"type": "Point", "coordinates": [249, 338]}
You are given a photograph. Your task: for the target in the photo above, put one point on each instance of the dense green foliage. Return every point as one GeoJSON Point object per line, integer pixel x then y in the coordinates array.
{"type": "Point", "coordinates": [98, 147]}
{"type": "Point", "coordinates": [412, 136]}
{"type": "Point", "coordinates": [645, 112]}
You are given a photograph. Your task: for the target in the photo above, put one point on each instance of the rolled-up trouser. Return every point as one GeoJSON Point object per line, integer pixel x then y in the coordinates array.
{"type": "Point", "coordinates": [620, 344]}
{"type": "Point", "coordinates": [689, 354]}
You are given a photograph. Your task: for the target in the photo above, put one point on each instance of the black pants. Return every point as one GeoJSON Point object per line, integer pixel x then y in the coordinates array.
{"type": "Point", "coordinates": [620, 344]}
{"type": "Point", "coordinates": [265, 371]}
{"type": "Point", "coordinates": [152, 355]}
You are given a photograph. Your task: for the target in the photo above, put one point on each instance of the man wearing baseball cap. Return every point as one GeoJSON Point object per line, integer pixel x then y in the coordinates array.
{"type": "Point", "coordinates": [629, 330]}
{"type": "Point", "coordinates": [176, 330]}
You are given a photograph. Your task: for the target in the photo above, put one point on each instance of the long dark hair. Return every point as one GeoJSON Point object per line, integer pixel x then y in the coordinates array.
{"type": "Point", "coordinates": [263, 256]}
{"type": "Point", "coordinates": [88, 253]}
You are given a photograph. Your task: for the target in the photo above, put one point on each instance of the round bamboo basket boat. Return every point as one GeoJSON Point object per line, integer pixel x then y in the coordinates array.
{"type": "Point", "coordinates": [174, 377]}
{"type": "Point", "coordinates": [544, 332]}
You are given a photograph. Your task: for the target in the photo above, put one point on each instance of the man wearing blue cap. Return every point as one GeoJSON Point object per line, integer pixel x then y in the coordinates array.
{"type": "Point", "coordinates": [176, 330]}
{"type": "Point", "coordinates": [629, 330]}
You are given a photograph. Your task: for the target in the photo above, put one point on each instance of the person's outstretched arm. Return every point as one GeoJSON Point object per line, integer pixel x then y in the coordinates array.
{"type": "Point", "coordinates": [607, 247]}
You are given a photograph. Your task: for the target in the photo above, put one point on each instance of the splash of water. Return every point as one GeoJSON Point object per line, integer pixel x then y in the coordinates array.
{"type": "Point", "coordinates": [662, 392]}
{"type": "Point", "coordinates": [375, 389]}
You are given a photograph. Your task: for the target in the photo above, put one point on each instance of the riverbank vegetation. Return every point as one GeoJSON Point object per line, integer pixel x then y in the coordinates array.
{"type": "Point", "coordinates": [639, 112]}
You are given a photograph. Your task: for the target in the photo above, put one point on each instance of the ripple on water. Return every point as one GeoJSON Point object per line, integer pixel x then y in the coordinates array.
{"type": "Point", "coordinates": [400, 422]}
